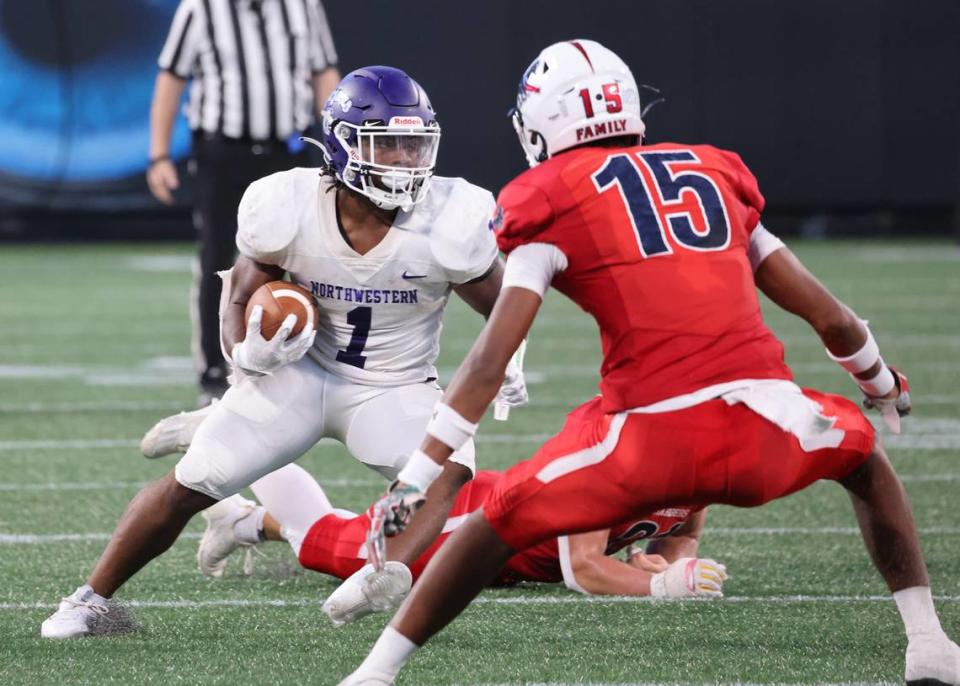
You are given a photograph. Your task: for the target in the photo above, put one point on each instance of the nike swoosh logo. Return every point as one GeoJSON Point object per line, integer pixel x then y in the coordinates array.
{"type": "Point", "coordinates": [407, 276]}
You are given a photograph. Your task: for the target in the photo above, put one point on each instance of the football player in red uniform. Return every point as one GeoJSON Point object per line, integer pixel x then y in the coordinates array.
{"type": "Point", "coordinates": [295, 509]}
{"type": "Point", "coordinates": [663, 246]}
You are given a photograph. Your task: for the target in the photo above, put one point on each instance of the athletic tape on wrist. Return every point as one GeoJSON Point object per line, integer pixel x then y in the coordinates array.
{"type": "Point", "coordinates": [449, 427]}
{"type": "Point", "coordinates": [236, 357]}
{"type": "Point", "coordinates": [420, 471]}
{"type": "Point", "coordinates": [658, 585]}
{"type": "Point", "coordinates": [861, 360]}
{"type": "Point", "coordinates": [878, 385]}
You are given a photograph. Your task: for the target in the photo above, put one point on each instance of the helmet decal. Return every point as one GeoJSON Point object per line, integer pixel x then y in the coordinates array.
{"type": "Point", "coordinates": [343, 100]}
{"type": "Point", "coordinates": [583, 51]}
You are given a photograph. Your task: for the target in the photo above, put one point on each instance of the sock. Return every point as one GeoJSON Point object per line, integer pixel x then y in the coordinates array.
{"type": "Point", "coordinates": [249, 528]}
{"type": "Point", "coordinates": [86, 594]}
{"type": "Point", "coordinates": [916, 609]}
{"type": "Point", "coordinates": [389, 654]}
{"type": "Point", "coordinates": [292, 496]}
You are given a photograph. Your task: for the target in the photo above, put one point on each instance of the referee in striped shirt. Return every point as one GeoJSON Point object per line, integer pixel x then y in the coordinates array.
{"type": "Point", "coordinates": [259, 70]}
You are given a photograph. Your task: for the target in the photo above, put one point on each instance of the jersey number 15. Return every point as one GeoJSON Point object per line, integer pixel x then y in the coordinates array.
{"type": "Point", "coordinates": [686, 203]}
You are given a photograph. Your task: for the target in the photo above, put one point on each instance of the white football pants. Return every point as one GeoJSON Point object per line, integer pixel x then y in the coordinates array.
{"type": "Point", "coordinates": [264, 423]}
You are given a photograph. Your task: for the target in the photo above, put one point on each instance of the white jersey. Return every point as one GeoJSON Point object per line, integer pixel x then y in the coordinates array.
{"type": "Point", "coordinates": [380, 313]}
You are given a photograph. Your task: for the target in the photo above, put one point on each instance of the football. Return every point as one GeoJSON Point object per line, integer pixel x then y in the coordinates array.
{"type": "Point", "coordinates": [280, 299]}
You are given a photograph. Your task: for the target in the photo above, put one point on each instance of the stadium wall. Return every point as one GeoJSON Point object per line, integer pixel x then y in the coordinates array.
{"type": "Point", "coordinates": [847, 112]}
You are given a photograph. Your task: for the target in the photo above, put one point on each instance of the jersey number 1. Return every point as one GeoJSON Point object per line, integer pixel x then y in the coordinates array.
{"type": "Point", "coordinates": [359, 318]}
{"type": "Point", "coordinates": [687, 203]}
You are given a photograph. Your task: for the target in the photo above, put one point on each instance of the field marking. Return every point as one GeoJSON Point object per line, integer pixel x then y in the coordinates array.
{"type": "Point", "coordinates": [511, 600]}
{"type": "Point", "coordinates": [71, 486]}
{"type": "Point", "coordinates": [71, 444]}
{"type": "Point", "coordinates": [928, 478]}
{"type": "Point", "coordinates": [123, 485]}
{"type": "Point", "coordinates": [33, 539]}
{"type": "Point", "coordinates": [904, 441]}
{"type": "Point", "coordinates": [163, 370]}
{"type": "Point", "coordinates": [15, 487]}
{"type": "Point", "coordinates": [109, 406]}
{"type": "Point", "coordinates": [904, 254]}
{"type": "Point", "coordinates": [689, 683]}
{"type": "Point", "coordinates": [42, 539]}
{"type": "Point", "coordinates": [791, 530]}
{"type": "Point", "coordinates": [693, 683]}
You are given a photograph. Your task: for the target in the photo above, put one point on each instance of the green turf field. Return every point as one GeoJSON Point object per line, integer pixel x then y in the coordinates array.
{"type": "Point", "coordinates": [94, 349]}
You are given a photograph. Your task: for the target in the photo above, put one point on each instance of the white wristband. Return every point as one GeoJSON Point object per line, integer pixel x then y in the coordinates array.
{"type": "Point", "coordinates": [239, 363]}
{"type": "Point", "coordinates": [420, 471]}
{"type": "Point", "coordinates": [658, 585]}
{"type": "Point", "coordinates": [878, 385]}
{"type": "Point", "coordinates": [449, 427]}
{"type": "Point", "coordinates": [863, 359]}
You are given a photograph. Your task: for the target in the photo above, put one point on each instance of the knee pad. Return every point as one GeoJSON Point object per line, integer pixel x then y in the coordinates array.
{"type": "Point", "coordinates": [207, 468]}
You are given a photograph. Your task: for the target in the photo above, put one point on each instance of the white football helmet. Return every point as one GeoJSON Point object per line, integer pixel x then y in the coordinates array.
{"type": "Point", "coordinates": [574, 92]}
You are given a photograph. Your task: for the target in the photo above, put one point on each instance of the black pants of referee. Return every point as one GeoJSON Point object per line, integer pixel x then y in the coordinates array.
{"type": "Point", "coordinates": [222, 168]}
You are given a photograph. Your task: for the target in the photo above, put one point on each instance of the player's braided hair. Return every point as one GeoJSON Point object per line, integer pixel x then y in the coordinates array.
{"type": "Point", "coordinates": [326, 169]}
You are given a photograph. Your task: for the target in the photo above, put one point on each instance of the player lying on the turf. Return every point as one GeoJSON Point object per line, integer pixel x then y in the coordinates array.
{"type": "Point", "coordinates": [294, 508]}
{"type": "Point", "coordinates": [381, 243]}
{"type": "Point", "coordinates": [656, 242]}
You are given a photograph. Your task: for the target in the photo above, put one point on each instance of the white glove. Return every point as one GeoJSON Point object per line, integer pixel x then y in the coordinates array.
{"type": "Point", "coordinates": [368, 591]}
{"type": "Point", "coordinates": [256, 355]}
{"type": "Point", "coordinates": [513, 391]}
{"type": "Point", "coordinates": [891, 409]}
{"type": "Point", "coordinates": [689, 577]}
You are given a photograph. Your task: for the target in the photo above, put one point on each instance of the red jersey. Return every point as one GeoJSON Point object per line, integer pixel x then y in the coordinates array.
{"type": "Point", "coordinates": [336, 545]}
{"type": "Point", "coordinates": [542, 562]}
{"type": "Point", "coordinates": [656, 240]}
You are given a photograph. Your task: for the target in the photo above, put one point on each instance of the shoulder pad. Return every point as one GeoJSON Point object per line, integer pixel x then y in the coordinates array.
{"type": "Point", "coordinates": [522, 215]}
{"type": "Point", "coordinates": [456, 217]}
{"type": "Point", "coordinates": [268, 218]}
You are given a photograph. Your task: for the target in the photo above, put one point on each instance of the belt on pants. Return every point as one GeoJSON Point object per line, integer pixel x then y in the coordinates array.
{"type": "Point", "coordinates": [256, 147]}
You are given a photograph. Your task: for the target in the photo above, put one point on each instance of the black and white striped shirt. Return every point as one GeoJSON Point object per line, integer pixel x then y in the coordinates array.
{"type": "Point", "coordinates": [251, 62]}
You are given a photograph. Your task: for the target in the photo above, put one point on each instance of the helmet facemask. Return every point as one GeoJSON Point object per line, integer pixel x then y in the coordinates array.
{"type": "Point", "coordinates": [390, 165]}
{"type": "Point", "coordinates": [534, 145]}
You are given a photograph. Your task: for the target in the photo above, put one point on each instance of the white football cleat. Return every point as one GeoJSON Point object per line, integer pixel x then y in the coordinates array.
{"type": "Point", "coordinates": [220, 540]}
{"type": "Point", "coordinates": [368, 591]}
{"type": "Point", "coordinates": [84, 613]}
{"type": "Point", "coordinates": [932, 661]}
{"type": "Point", "coordinates": [173, 434]}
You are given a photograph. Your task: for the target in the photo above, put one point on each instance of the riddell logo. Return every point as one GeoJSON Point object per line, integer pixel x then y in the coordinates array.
{"type": "Point", "coordinates": [406, 121]}
{"type": "Point", "coordinates": [602, 129]}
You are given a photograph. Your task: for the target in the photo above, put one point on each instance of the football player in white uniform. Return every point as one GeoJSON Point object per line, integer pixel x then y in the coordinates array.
{"type": "Point", "coordinates": [380, 242]}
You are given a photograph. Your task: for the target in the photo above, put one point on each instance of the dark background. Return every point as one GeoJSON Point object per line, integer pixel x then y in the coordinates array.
{"type": "Point", "coordinates": [847, 112]}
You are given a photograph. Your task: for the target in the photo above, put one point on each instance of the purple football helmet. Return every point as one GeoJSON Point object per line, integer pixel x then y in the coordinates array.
{"type": "Point", "coordinates": [380, 136]}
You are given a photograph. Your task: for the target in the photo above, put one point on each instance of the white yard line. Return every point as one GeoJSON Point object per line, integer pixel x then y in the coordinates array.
{"type": "Point", "coordinates": [71, 444]}
{"type": "Point", "coordinates": [34, 539]}
{"type": "Point", "coordinates": [123, 485]}
{"type": "Point", "coordinates": [928, 478]}
{"type": "Point", "coordinates": [507, 600]}
{"type": "Point", "coordinates": [901, 254]}
{"type": "Point", "coordinates": [930, 441]}
{"type": "Point", "coordinates": [693, 683]}
{"type": "Point", "coordinates": [15, 487]}
{"type": "Point", "coordinates": [42, 539]}
{"type": "Point", "coordinates": [791, 530]}
{"type": "Point", "coordinates": [108, 406]}
{"type": "Point", "coordinates": [71, 486]}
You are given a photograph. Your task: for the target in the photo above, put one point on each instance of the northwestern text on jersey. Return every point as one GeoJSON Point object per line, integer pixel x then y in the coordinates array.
{"type": "Point", "coordinates": [372, 296]}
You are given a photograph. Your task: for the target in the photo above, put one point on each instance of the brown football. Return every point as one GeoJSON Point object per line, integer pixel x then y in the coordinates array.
{"type": "Point", "coordinates": [282, 298]}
